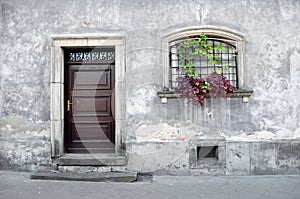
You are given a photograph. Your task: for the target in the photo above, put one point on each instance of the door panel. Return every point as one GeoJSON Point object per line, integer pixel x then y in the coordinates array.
{"type": "Point", "coordinates": [93, 131]}
{"type": "Point", "coordinates": [90, 124]}
{"type": "Point", "coordinates": [91, 78]}
{"type": "Point", "coordinates": [95, 105]}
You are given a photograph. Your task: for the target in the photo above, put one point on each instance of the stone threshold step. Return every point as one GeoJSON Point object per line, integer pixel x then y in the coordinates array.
{"type": "Point", "coordinates": [91, 160]}
{"type": "Point", "coordinates": [90, 176]}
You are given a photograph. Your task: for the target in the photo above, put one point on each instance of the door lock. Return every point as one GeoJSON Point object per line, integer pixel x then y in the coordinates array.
{"type": "Point", "coordinates": [69, 105]}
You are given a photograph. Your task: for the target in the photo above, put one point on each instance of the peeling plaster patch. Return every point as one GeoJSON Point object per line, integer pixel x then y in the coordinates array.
{"type": "Point", "coordinates": [158, 156]}
{"type": "Point", "coordinates": [142, 105]}
{"type": "Point", "coordinates": [13, 122]}
{"type": "Point", "coordinates": [260, 135]}
{"type": "Point", "coordinates": [297, 133]}
{"type": "Point", "coordinates": [166, 132]}
{"type": "Point", "coordinates": [277, 92]}
{"type": "Point", "coordinates": [42, 133]}
{"type": "Point", "coordinates": [295, 67]}
{"type": "Point", "coordinates": [14, 127]}
{"type": "Point", "coordinates": [25, 155]}
{"type": "Point", "coordinates": [86, 24]}
{"type": "Point", "coordinates": [265, 135]}
{"type": "Point", "coordinates": [288, 9]}
{"type": "Point", "coordinates": [284, 133]}
{"type": "Point", "coordinates": [141, 100]}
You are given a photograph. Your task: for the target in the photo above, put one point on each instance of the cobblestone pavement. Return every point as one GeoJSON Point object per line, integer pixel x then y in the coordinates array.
{"type": "Point", "coordinates": [18, 185]}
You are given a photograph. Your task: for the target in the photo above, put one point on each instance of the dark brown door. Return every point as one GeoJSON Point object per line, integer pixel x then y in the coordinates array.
{"type": "Point", "coordinates": [89, 100]}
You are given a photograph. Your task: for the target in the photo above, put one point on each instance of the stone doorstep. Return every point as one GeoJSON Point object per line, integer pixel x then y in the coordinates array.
{"type": "Point", "coordinates": [87, 176]}
{"type": "Point", "coordinates": [90, 160]}
{"type": "Point", "coordinates": [82, 169]}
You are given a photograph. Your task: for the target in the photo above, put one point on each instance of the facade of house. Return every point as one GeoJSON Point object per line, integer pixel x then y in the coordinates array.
{"type": "Point", "coordinates": [90, 83]}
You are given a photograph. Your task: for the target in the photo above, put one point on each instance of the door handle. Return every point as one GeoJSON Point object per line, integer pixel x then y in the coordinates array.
{"type": "Point", "coordinates": [69, 105]}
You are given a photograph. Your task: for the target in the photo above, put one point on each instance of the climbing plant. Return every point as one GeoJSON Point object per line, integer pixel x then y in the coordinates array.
{"type": "Point", "coordinates": [191, 85]}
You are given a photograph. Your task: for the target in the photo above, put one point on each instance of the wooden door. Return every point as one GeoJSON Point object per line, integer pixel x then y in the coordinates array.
{"type": "Point", "coordinates": [89, 100]}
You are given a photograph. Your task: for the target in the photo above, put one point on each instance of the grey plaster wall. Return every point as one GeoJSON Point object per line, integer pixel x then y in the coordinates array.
{"type": "Point", "coordinates": [258, 157]}
{"type": "Point", "coordinates": [263, 157]}
{"type": "Point", "coordinates": [272, 63]}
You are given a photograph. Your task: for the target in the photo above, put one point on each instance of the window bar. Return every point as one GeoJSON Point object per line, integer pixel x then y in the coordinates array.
{"type": "Point", "coordinates": [178, 63]}
{"type": "Point", "coordinates": [170, 64]}
{"type": "Point", "coordinates": [236, 71]}
{"type": "Point", "coordinates": [213, 45]}
{"type": "Point", "coordinates": [207, 64]}
{"type": "Point", "coordinates": [221, 58]}
{"type": "Point", "coordinates": [228, 59]}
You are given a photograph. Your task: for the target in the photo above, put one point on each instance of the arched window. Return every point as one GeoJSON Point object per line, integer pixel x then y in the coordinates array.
{"type": "Point", "coordinates": [231, 56]}
{"type": "Point", "coordinates": [204, 64]}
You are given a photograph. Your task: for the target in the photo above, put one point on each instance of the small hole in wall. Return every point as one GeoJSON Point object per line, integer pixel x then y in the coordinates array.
{"type": "Point", "coordinates": [207, 152]}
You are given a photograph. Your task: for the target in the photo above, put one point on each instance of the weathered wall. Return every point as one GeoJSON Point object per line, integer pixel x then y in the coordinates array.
{"type": "Point", "coordinates": [272, 57]}
{"type": "Point", "coordinates": [247, 157]}
{"type": "Point", "coordinates": [271, 64]}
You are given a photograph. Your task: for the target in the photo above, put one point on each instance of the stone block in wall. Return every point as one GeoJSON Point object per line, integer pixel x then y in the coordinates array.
{"type": "Point", "coordinates": [56, 138]}
{"type": "Point", "coordinates": [159, 157]}
{"type": "Point", "coordinates": [275, 157]}
{"type": "Point", "coordinates": [56, 98]}
{"type": "Point", "coordinates": [288, 157]}
{"type": "Point", "coordinates": [237, 158]}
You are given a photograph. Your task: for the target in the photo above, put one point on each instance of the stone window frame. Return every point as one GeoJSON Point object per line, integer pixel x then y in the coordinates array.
{"type": "Point", "coordinates": [243, 92]}
{"type": "Point", "coordinates": [57, 86]}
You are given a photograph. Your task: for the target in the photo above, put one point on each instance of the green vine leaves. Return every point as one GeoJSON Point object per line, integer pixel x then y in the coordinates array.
{"type": "Point", "coordinates": [208, 52]}
{"type": "Point", "coordinates": [200, 46]}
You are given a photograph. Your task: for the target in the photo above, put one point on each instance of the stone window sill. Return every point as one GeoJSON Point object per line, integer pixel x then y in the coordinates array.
{"type": "Point", "coordinates": [241, 93]}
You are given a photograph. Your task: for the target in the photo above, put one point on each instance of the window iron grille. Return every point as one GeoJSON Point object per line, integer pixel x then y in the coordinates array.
{"type": "Point", "coordinates": [228, 56]}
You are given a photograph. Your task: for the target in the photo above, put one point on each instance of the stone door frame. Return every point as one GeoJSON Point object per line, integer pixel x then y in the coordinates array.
{"type": "Point", "coordinates": [57, 87]}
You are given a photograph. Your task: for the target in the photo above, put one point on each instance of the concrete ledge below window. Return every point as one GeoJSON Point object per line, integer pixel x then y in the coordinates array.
{"type": "Point", "coordinates": [241, 93]}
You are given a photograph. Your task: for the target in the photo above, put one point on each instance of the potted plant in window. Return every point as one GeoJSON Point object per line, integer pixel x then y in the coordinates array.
{"type": "Point", "coordinates": [191, 84]}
